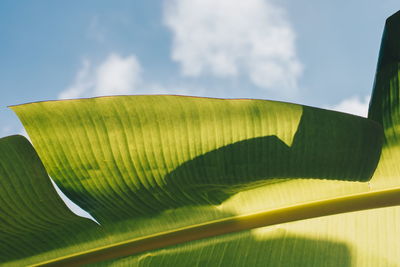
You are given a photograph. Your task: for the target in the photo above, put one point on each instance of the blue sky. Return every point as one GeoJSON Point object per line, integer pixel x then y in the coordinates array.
{"type": "Point", "coordinates": [319, 53]}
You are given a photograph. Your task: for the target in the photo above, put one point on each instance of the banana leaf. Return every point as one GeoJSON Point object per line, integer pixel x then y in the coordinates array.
{"type": "Point", "coordinates": [180, 181]}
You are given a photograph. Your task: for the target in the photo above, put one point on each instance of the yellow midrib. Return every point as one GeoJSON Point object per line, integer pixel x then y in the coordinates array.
{"type": "Point", "coordinates": [331, 206]}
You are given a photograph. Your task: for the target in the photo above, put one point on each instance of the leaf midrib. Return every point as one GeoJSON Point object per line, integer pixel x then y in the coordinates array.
{"type": "Point", "coordinates": [314, 209]}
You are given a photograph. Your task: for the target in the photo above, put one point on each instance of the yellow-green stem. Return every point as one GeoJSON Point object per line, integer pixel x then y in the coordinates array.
{"type": "Point", "coordinates": [356, 202]}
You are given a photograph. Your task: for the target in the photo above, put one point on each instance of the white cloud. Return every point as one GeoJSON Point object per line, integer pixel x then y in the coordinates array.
{"type": "Point", "coordinates": [354, 105]}
{"type": "Point", "coordinates": [82, 84]}
{"type": "Point", "coordinates": [227, 38]}
{"type": "Point", "coordinates": [116, 75]}
{"type": "Point", "coordinates": [119, 76]}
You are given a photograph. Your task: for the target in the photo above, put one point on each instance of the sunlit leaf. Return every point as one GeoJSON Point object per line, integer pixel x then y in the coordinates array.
{"type": "Point", "coordinates": [172, 179]}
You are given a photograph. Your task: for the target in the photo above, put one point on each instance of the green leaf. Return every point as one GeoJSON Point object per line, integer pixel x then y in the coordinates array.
{"type": "Point", "coordinates": [368, 238]}
{"type": "Point", "coordinates": [385, 102]}
{"type": "Point", "coordinates": [173, 179]}
{"type": "Point", "coordinates": [33, 218]}
{"type": "Point", "coordinates": [120, 157]}
{"type": "Point", "coordinates": [143, 165]}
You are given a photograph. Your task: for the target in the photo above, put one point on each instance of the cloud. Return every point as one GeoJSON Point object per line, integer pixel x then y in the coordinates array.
{"type": "Point", "coordinates": [83, 83]}
{"type": "Point", "coordinates": [115, 76]}
{"type": "Point", "coordinates": [228, 38]}
{"type": "Point", "coordinates": [354, 105]}
{"type": "Point", "coordinates": [118, 75]}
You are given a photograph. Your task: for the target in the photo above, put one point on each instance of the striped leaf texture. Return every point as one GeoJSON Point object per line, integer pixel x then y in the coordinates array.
{"type": "Point", "coordinates": [32, 215]}
{"type": "Point", "coordinates": [181, 181]}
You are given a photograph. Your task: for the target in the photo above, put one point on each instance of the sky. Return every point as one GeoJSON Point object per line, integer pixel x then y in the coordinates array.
{"type": "Point", "coordinates": [311, 52]}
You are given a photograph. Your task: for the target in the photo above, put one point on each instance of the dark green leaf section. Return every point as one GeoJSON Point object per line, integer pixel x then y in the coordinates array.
{"type": "Point", "coordinates": [316, 152]}
{"type": "Point", "coordinates": [129, 156]}
{"type": "Point", "coordinates": [385, 101]}
{"type": "Point", "coordinates": [33, 218]}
